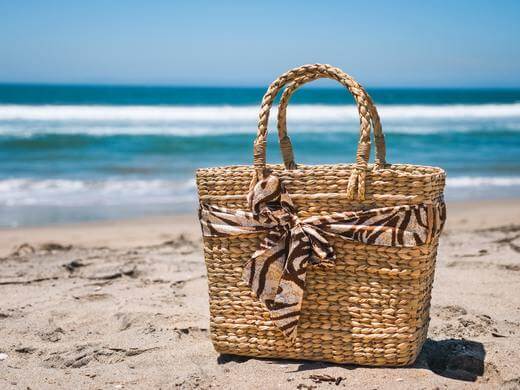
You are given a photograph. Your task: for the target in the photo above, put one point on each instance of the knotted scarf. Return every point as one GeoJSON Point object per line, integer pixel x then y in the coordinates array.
{"type": "Point", "coordinates": [276, 272]}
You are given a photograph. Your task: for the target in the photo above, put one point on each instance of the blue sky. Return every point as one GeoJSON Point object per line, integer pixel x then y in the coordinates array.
{"type": "Point", "coordinates": [381, 43]}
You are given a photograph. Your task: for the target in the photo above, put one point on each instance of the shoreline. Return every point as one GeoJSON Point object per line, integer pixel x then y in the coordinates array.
{"type": "Point", "coordinates": [120, 233]}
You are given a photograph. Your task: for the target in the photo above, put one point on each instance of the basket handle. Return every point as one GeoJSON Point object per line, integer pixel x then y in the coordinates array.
{"type": "Point", "coordinates": [356, 184]}
{"type": "Point", "coordinates": [285, 141]}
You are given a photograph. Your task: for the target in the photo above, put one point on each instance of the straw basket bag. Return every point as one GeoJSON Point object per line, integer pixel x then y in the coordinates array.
{"type": "Point", "coordinates": [325, 262]}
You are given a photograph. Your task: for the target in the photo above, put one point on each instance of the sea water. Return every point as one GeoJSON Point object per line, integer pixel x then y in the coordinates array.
{"type": "Point", "coordinates": [80, 153]}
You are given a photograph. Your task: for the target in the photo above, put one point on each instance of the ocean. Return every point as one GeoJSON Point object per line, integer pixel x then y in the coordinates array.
{"type": "Point", "coordinates": [86, 153]}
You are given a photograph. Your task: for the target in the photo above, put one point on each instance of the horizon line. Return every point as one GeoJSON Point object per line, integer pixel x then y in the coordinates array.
{"type": "Point", "coordinates": [243, 86]}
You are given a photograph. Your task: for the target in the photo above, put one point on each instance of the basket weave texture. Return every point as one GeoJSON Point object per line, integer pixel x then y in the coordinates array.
{"type": "Point", "coordinates": [372, 306]}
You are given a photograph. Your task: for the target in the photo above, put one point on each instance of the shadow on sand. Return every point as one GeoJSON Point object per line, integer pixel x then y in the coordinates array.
{"type": "Point", "coordinates": [450, 358]}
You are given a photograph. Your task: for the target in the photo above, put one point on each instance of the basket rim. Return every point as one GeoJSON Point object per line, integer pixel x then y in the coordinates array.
{"type": "Point", "coordinates": [303, 168]}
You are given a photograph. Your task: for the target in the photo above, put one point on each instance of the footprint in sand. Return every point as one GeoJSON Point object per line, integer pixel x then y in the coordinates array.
{"type": "Point", "coordinates": [457, 322]}
{"type": "Point", "coordinates": [474, 264]}
{"type": "Point", "coordinates": [448, 312]}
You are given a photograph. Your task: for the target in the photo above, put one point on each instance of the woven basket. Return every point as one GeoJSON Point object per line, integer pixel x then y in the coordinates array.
{"type": "Point", "coordinates": [372, 306]}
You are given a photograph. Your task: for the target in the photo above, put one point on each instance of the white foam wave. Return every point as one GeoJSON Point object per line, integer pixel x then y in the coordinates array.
{"type": "Point", "coordinates": [213, 114]}
{"type": "Point", "coordinates": [63, 192]}
{"type": "Point", "coordinates": [27, 120]}
{"type": "Point", "coordinates": [468, 181]}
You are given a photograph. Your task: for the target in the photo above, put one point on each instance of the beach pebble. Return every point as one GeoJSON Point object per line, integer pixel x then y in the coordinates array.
{"type": "Point", "coordinates": [3, 356]}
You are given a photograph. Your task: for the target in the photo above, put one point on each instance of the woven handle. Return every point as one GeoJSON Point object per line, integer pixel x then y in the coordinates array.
{"type": "Point", "coordinates": [356, 184]}
{"type": "Point", "coordinates": [285, 141]}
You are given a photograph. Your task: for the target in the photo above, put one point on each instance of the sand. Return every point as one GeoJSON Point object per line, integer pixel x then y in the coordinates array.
{"type": "Point", "coordinates": [122, 305]}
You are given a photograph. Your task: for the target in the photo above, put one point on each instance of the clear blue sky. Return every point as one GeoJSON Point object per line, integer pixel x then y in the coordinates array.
{"type": "Point", "coordinates": [382, 43]}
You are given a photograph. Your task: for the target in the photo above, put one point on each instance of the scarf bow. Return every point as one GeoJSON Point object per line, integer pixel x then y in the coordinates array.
{"type": "Point", "coordinates": [276, 272]}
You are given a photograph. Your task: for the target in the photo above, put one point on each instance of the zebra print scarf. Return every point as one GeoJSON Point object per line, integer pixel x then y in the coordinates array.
{"type": "Point", "coordinates": [276, 271]}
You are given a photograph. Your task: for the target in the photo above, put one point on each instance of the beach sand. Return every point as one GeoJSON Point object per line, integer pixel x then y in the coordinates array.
{"type": "Point", "coordinates": [125, 305]}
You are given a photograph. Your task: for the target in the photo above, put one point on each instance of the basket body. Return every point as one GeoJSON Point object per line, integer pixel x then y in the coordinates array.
{"type": "Point", "coordinates": [370, 308]}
